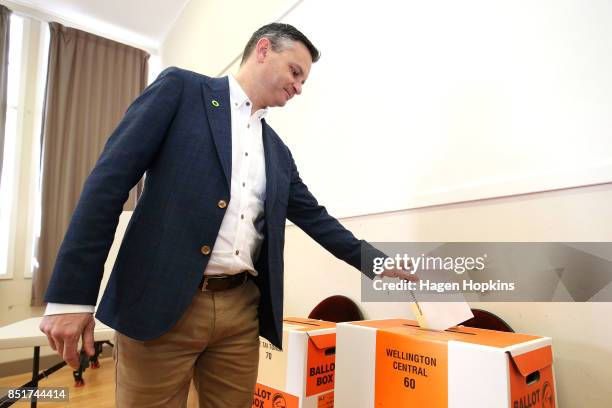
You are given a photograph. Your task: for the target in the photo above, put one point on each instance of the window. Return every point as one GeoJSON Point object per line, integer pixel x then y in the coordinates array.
{"type": "Point", "coordinates": [19, 189]}
{"type": "Point", "coordinates": [9, 168]}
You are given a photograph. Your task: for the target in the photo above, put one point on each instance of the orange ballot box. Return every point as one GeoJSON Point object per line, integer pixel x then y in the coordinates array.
{"type": "Point", "coordinates": [302, 374]}
{"type": "Point", "coordinates": [394, 363]}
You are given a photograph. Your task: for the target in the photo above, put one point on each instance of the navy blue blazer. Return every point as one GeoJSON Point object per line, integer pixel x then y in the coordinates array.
{"type": "Point", "coordinates": [175, 133]}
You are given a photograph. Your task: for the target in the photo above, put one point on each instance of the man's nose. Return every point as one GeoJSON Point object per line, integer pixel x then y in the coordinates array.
{"type": "Point", "coordinates": [298, 88]}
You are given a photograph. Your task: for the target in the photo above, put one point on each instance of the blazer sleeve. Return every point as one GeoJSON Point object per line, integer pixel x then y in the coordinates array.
{"type": "Point", "coordinates": [305, 212]}
{"type": "Point", "coordinates": [126, 156]}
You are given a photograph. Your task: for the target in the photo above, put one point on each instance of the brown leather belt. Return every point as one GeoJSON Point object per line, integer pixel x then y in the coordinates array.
{"type": "Point", "coordinates": [214, 283]}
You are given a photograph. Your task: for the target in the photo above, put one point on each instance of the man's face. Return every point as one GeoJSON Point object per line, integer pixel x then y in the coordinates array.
{"type": "Point", "coordinates": [282, 73]}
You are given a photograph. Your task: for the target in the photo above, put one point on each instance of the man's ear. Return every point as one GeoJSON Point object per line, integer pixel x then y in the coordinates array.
{"type": "Point", "coordinates": [262, 49]}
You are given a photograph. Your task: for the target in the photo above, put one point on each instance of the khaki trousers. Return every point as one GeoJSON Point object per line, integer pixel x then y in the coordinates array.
{"type": "Point", "coordinates": [215, 343]}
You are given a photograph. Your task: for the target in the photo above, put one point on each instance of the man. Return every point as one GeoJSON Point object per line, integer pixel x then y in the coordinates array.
{"type": "Point", "coordinates": [199, 274]}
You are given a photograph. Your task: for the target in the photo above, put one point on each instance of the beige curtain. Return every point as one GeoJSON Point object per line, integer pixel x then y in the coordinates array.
{"type": "Point", "coordinates": [5, 30]}
{"type": "Point", "coordinates": [90, 83]}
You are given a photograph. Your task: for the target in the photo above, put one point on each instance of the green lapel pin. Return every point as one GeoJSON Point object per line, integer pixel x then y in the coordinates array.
{"type": "Point", "coordinates": [215, 103]}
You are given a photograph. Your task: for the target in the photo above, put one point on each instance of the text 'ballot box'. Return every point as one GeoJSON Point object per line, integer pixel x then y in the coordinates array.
{"type": "Point", "coordinates": [302, 374]}
{"type": "Point", "coordinates": [395, 363]}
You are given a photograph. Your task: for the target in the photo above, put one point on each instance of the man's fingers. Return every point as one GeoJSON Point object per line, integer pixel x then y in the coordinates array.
{"type": "Point", "coordinates": [402, 274]}
{"type": "Point", "coordinates": [406, 275]}
{"type": "Point", "coordinates": [64, 331]}
{"type": "Point", "coordinates": [51, 343]}
{"type": "Point", "coordinates": [71, 355]}
{"type": "Point", "coordinates": [44, 327]}
{"type": "Point", "coordinates": [59, 347]}
{"type": "Point", "coordinates": [88, 338]}
{"type": "Point", "coordinates": [410, 277]}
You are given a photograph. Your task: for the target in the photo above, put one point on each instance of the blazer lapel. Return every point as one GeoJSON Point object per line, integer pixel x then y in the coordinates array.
{"type": "Point", "coordinates": [218, 109]}
{"type": "Point", "coordinates": [271, 158]}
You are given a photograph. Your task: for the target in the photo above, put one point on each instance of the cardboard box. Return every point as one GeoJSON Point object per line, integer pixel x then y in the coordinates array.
{"type": "Point", "coordinates": [302, 374]}
{"type": "Point", "coordinates": [395, 363]}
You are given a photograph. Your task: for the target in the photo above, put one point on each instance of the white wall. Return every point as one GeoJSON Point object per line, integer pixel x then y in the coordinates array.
{"type": "Point", "coordinates": [581, 333]}
{"type": "Point", "coordinates": [209, 35]}
{"type": "Point", "coordinates": [464, 99]}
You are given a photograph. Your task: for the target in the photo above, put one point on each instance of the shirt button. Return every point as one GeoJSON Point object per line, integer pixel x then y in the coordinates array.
{"type": "Point", "coordinates": [222, 204]}
{"type": "Point", "coordinates": [237, 252]}
{"type": "Point", "coordinates": [248, 103]}
{"type": "Point", "coordinates": [246, 154]}
{"type": "Point", "coordinates": [242, 216]}
{"type": "Point", "coordinates": [243, 184]}
{"type": "Point", "coordinates": [248, 126]}
{"type": "Point", "coordinates": [205, 250]}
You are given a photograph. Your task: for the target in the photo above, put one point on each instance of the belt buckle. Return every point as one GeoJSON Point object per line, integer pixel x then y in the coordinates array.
{"type": "Point", "coordinates": [206, 280]}
{"type": "Point", "coordinates": [209, 278]}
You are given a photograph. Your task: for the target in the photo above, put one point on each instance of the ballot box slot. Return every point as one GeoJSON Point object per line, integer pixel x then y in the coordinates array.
{"type": "Point", "coordinates": [437, 331]}
{"type": "Point", "coordinates": [533, 378]}
{"type": "Point", "coordinates": [300, 322]}
{"type": "Point", "coordinates": [327, 347]}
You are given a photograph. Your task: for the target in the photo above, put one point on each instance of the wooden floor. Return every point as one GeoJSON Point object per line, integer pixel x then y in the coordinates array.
{"type": "Point", "coordinates": [99, 389]}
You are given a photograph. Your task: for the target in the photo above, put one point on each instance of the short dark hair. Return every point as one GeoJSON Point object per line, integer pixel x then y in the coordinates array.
{"type": "Point", "coordinates": [279, 34]}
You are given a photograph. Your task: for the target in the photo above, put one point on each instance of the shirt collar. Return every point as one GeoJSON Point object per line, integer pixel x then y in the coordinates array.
{"type": "Point", "coordinates": [238, 98]}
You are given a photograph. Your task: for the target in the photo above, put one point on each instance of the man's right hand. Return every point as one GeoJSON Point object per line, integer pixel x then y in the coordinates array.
{"type": "Point", "coordinates": [64, 331]}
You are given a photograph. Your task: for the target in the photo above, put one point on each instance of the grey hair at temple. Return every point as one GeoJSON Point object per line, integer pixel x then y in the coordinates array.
{"type": "Point", "coordinates": [281, 37]}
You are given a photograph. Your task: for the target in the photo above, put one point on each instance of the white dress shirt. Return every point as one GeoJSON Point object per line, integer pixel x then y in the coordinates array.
{"type": "Point", "coordinates": [241, 233]}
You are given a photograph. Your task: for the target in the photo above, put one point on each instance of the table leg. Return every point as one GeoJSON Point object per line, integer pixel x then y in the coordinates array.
{"type": "Point", "coordinates": [35, 369]}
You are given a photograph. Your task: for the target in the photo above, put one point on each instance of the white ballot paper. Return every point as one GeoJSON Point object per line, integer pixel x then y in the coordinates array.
{"type": "Point", "coordinates": [441, 315]}
{"type": "Point", "coordinates": [439, 310]}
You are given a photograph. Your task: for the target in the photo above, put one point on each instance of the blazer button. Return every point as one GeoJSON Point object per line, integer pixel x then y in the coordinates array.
{"type": "Point", "coordinates": [205, 250]}
{"type": "Point", "coordinates": [222, 204]}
